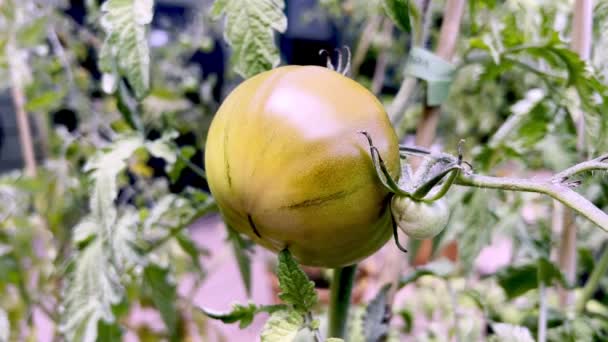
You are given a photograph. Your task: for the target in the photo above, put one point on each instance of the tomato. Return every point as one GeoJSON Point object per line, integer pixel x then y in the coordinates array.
{"type": "Point", "coordinates": [288, 168]}
{"type": "Point", "coordinates": [420, 220]}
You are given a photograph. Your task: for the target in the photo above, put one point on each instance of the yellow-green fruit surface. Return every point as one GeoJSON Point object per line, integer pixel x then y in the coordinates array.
{"type": "Point", "coordinates": [288, 168]}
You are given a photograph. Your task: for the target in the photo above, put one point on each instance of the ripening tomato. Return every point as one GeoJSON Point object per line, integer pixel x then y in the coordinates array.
{"type": "Point", "coordinates": [288, 168]}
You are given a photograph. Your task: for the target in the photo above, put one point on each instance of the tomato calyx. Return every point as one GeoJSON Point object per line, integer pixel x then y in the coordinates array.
{"type": "Point", "coordinates": [341, 68]}
{"type": "Point", "coordinates": [417, 206]}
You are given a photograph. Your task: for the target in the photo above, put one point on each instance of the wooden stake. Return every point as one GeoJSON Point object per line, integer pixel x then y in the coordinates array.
{"type": "Point", "coordinates": [582, 23]}
{"type": "Point", "coordinates": [23, 124]}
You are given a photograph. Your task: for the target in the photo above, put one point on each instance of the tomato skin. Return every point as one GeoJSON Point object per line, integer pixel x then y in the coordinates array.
{"type": "Point", "coordinates": [420, 220]}
{"type": "Point", "coordinates": [288, 168]}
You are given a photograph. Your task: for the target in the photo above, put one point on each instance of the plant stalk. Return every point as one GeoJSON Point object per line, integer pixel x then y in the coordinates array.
{"type": "Point", "coordinates": [592, 284]}
{"type": "Point", "coordinates": [542, 313]}
{"type": "Point", "coordinates": [339, 301]}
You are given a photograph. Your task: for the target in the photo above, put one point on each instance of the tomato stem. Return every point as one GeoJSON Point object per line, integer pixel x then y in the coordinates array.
{"type": "Point", "coordinates": [341, 289]}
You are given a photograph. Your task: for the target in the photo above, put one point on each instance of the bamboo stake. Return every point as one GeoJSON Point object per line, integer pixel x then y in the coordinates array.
{"type": "Point", "coordinates": [582, 23]}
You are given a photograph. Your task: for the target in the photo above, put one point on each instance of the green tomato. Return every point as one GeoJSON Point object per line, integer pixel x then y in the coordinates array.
{"type": "Point", "coordinates": [288, 168]}
{"type": "Point", "coordinates": [420, 220]}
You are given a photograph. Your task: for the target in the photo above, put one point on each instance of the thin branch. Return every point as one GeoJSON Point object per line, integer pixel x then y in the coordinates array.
{"type": "Point", "coordinates": [599, 163]}
{"type": "Point", "coordinates": [559, 192]}
{"type": "Point", "coordinates": [542, 313]}
{"type": "Point", "coordinates": [594, 281]}
{"type": "Point", "coordinates": [63, 57]}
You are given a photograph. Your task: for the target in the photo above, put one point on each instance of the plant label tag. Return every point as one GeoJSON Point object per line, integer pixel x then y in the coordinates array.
{"type": "Point", "coordinates": [437, 72]}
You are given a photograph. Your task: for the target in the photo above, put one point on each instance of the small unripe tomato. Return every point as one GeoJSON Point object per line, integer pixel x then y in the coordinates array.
{"type": "Point", "coordinates": [288, 168]}
{"type": "Point", "coordinates": [420, 220]}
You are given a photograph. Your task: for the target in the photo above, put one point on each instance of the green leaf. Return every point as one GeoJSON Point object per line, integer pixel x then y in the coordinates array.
{"type": "Point", "coordinates": [334, 339]}
{"type": "Point", "coordinates": [510, 333]}
{"type": "Point", "coordinates": [282, 326]}
{"type": "Point", "coordinates": [9, 269]}
{"type": "Point", "coordinates": [376, 319]}
{"type": "Point", "coordinates": [108, 332]}
{"type": "Point", "coordinates": [163, 293]}
{"type": "Point", "coordinates": [517, 280]}
{"type": "Point", "coordinates": [33, 32]}
{"type": "Point", "coordinates": [186, 243]}
{"type": "Point", "coordinates": [549, 273]}
{"type": "Point", "coordinates": [241, 248]}
{"type": "Point", "coordinates": [46, 101]}
{"type": "Point", "coordinates": [186, 153]}
{"type": "Point", "coordinates": [399, 12]}
{"type": "Point", "coordinates": [249, 31]}
{"type": "Point", "coordinates": [440, 268]}
{"type": "Point", "coordinates": [125, 49]}
{"type": "Point", "coordinates": [126, 104]}
{"type": "Point", "coordinates": [93, 288]}
{"type": "Point", "coordinates": [242, 314]}
{"type": "Point", "coordinates": [106, 241]}
{"type": "Point", "coordinates": [296, 288]}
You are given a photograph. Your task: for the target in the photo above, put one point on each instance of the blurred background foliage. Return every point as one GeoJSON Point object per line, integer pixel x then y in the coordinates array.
{"type": "Point", "coordinates": [100, 226]}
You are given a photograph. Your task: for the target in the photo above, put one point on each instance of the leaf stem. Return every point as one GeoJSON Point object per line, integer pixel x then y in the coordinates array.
{"type": "Point", "coordinates": [557, 191]}
{"type": "Point", "coordinates": [594, 280]}
{"type": "Point", "coordinates": [341, 288]}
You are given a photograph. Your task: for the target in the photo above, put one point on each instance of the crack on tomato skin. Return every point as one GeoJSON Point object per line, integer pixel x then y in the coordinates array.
{"type": "Point", "coordinates": [319, 201]}
{"type": "Point", "coordinates": [226, 163]}
{"type": "Point", "coordinates": [252, 225]}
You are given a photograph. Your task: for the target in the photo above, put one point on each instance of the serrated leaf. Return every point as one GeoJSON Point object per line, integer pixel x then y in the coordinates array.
{"type": "Point", "coordinates": [296, 288]}
{"type": "Point", "coordinates": [106, 240]}
{"type": "Point", "coordinates": [125, 48]}
{"type": "Point", "coordinates": [242, 314]}
{"type": "Point", "coordinates": [163, 292]}
{"type": "Point", "coordinates": [510, 333]}
{"type": "Point", "coordinates": [93, 288]}
{"type": "Point", "coordinates": [282, 326]}
{"type": "Point", "coordinates": [241, 248]}
{"type": "Point", "coordinates": [439, 268]}
{"type": "Point", "coordinates": [377, 316]}
{"type": "Point", "coordinates": [399, 12]}
{"type": "Point", "coordinates": [249, 30]}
